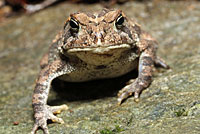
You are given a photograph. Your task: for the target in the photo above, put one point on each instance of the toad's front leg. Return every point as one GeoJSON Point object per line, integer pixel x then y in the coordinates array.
{"type": "Point", "coordinates": [43, 112]}
{"type": "Point", "coordinates": [146, 62]}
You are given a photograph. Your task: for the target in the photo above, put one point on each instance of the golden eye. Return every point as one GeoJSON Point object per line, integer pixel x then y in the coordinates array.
{"type": "Point", "coordinates": [74, 24]}
{"type": "Point", "coordinates": [119, 21]}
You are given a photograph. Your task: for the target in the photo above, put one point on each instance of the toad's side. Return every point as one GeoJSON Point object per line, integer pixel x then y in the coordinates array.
{"type": "Point", "coordinates": [95, 46]}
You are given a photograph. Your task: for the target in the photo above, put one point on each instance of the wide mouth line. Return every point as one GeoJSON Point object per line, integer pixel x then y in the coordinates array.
{"type": "Point", "coordinates": [97, 48]}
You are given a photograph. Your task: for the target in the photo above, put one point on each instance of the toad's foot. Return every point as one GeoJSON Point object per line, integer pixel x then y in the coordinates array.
{"type": "Point", "coordinates": [128, 90]}
{"type": "Point", "coordinates": [44, 113]}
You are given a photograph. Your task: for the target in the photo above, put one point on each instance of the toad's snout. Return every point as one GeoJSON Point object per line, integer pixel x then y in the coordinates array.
{"type": "Point", "coordinates": [98, 38]}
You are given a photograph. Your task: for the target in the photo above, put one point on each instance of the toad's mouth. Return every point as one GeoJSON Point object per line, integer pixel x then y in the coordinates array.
{"type": "Point", "coordinates": [101, 50]}
{"type": "Point", "coordinates": [101, 55]}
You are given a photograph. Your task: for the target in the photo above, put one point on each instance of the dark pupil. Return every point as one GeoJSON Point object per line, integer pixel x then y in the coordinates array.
{"type": "Point", "coordinates": [120, 20]}
{"type": "Point", "coordinates": [73, 24]}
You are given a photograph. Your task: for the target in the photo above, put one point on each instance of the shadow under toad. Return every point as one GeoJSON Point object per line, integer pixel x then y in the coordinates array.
{"type": "Point", "coordinates": [91, 90]}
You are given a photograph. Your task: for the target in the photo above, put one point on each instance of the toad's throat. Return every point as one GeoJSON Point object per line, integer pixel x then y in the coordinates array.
{"type": "Point", "coordinates": [99, 55]}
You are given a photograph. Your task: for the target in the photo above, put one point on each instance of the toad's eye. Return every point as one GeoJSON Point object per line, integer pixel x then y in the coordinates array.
{"type": "Point", "coordinates": [74, 24]}
{"type": "Point", "coordinates": [119, 21]}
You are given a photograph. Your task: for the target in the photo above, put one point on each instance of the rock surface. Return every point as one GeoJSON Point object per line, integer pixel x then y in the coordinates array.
{"type": "Point", "coordinates": [170, 105]}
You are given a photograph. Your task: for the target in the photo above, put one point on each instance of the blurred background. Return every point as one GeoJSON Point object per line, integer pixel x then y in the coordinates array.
{"type": "Point", "coordinates": [13, 7]}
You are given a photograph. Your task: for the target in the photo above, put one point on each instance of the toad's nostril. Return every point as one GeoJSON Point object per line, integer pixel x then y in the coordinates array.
{"type": "Point", "coordinates": [98, 38]}
{"type": "Point", "coordinates": [98, 35]}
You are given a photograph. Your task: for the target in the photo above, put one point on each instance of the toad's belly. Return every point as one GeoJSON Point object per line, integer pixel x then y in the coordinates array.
{"type": "Point", "coordinates": [90, 72]}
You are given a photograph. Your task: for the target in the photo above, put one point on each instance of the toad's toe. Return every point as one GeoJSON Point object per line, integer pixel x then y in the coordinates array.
{"type": "Point", "coordinates": [47, 113]}
{"type": "Point", "coordinates": [57, 109]}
